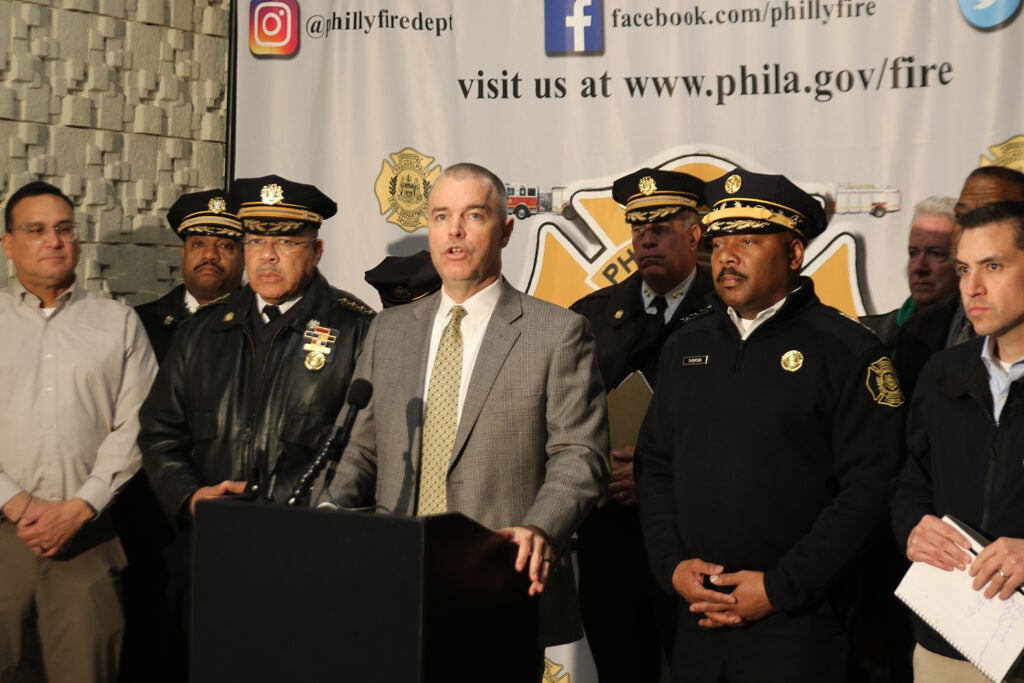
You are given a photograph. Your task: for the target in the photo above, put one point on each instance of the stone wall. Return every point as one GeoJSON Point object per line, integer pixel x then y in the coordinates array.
{"type": "Point", "coordinates": [123, 105]}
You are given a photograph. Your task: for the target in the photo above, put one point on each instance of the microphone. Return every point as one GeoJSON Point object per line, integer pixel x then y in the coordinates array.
{"type": "Point", "coordinates": [334, 440]}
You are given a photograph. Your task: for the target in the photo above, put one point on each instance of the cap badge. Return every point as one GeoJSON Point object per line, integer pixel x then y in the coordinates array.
{"type": "Point", "coordinates": [792, 361]}
{"type": "Point", "coordinates": [883, 383]}
{"type": "Point", "coordinates": [271, 194]}
{"type": "Point", "coordinates": [733, 183]}
{"type": "Point", "coordinates": [229, 316]}
{"type": "Point", "coordinates": [217, 205]}
{"type": "Point", "coordinates": [647, 186]}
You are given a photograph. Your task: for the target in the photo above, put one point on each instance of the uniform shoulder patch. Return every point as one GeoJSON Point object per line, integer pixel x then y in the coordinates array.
{"type": "Point", "coordinates": [356, 306]}
{"type": "Point", "coordinates": [884, 384]}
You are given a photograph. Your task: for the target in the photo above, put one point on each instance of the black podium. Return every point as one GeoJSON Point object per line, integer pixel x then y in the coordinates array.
{"type": "Point", "coordinates": [293, 594]}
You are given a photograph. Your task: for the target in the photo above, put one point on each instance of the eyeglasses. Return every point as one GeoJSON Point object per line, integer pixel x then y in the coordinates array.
{"type": "Point", "coordinates": [283, 245]}
{"type": "Point", "coordinates": [67, 232]}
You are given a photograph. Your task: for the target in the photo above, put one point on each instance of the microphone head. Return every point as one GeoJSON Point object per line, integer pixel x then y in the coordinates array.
{"type": "Point", "coordinates": [359, 393]}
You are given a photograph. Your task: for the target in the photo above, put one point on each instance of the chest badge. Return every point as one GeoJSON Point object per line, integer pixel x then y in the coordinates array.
{"type": "Point", "coordinates": [695, 360]}
{"type": "Point", "coordinates": [319, 343]}
{"type": "Point", "coordinates": [792, 361]}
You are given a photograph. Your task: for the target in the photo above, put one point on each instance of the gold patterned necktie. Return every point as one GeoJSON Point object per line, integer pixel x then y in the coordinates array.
{"type": "Point", "coordinates": [441, 418]}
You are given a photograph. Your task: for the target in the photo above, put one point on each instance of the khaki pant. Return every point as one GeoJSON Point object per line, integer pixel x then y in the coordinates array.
{"type": "Point", "coordinates": [934, 668]}
{"type": "Point", "coordinates": [78, 601]}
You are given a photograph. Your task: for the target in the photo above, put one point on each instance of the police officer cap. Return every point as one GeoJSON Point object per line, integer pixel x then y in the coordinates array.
{"type": "Point", "coordinates": [743, 202]}
{"type": "Point", "coordinates": [272, 205]}
{"type": "Point", "coordinates": [650, 195]}
{"type": "Point", "coordinates": [401, 279]}
{"type": "Point", "coordinates": [210, 212]}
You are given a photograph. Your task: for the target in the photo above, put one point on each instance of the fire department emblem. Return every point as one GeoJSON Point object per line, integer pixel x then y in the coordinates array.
{"type": "Point", "coordinates": [1009, 153]}
{"type": "Point", "coordinates": [883, 383]}
{"type": "Point", "coordinates": [553, 673]}
{"type": "Point", "coordinates": [792, 361]}
{"type": "Point", "coordinates": [402, 187]}
{"type": "Point", "coordinates": [581, 242]}
{"type": "Point", "coordinates": [217, 205]}
{"type": "Point", "coordinates": [733, 183]}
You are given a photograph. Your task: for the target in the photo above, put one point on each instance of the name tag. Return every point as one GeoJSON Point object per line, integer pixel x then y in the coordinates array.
{"type": "Point", "coordinates": [695, 360]}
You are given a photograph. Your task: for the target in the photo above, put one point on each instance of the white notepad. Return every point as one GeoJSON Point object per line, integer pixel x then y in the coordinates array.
{"type": "Point", "coordinates": [988, 632]}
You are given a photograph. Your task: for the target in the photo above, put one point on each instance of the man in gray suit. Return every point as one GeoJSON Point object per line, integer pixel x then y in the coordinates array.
{"type": "Point", "coordinates": [520, 427]}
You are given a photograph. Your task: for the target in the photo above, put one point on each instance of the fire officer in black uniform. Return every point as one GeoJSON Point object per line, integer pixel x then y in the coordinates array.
{"type": "Point", "coordinates": [627, 618]}
{"type": "Point", "coordinates": [211, 267]}
{"type": "Point", "coordinates": [252, 380]}
{"type": "Point", "coordinates": [765, 458]}
{"type": "Point", "coordinates": [211, 263]}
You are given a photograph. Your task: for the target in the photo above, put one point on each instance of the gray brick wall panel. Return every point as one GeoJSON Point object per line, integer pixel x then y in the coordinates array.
{"type": "Point", "coordinates": [121, 104]}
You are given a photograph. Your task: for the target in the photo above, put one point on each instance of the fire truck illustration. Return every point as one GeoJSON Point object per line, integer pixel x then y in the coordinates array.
{"type": "Point", "coordinates": [528, 200]}
{"type": "Point", "coordinates": [876, 200]}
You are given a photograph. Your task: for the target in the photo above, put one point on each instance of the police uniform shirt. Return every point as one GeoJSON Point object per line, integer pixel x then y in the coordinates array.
{"type": "Point", "coordinates": [283, 307]}
{"type": "Point", "coordinates": [746, 327]}
{"type": "Point", "coordinates": [673, 297]}
{"type": "Point", "coordinates": [191, 303]}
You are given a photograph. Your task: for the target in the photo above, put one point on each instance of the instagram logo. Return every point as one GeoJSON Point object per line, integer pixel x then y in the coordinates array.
{"type": "Point", "coordinates": [273, 27]}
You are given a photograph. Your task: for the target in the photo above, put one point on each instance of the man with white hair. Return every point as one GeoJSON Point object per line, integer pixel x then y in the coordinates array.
{"type": "Point", "coordinates": [930, 273]}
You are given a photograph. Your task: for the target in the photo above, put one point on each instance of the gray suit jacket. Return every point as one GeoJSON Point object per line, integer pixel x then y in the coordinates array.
{"type": "Point", "coordinates": [532, 443]}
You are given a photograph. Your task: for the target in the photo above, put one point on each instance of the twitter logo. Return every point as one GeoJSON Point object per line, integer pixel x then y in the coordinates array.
{"type": "Point", "coordinates": [988, 13]}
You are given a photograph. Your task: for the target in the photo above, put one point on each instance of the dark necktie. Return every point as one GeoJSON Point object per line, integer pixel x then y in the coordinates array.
{"type": "Point", "coordinates": [660, 305]}
{"type": "Point", "coordinates": [272, 312]}
{"type": "Point", "coordinates": [645, 353]}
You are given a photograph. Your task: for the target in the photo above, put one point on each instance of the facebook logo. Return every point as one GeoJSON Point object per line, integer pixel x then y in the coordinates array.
{"type": "Point", "coordinates": [573, 27]}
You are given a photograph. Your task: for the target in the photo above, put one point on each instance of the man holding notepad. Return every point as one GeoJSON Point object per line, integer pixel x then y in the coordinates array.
{"type": "Point", "coordinates": [628, 619]}
{"type": "Point", "coordinates": [966, 435]}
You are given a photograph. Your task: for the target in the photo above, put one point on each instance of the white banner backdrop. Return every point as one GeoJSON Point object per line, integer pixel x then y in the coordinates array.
{"type": "Point", "coordinates": [874, 105]}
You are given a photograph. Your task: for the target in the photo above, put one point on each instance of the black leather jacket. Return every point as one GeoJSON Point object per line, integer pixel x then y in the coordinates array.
{"type": "Point", "coordinates": [212, 415]}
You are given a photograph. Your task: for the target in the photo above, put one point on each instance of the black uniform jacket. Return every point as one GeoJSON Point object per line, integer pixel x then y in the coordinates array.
{"type": "Point", "coordinates": [214, 413]}
{"type": "Point", "coordinates": [161, 317]}
{"type": "Point", "coordinates": [618, 317]}
{"type": "Point", "coordinates": [961, 462]}
{"type": "Point", "coordinates": [922, 335]}
{"type": "Point", "coordinates": [772, 454]}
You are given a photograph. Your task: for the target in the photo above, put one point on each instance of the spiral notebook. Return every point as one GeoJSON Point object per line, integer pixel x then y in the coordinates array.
{"type": "Point", "coordinates": [989, 633]}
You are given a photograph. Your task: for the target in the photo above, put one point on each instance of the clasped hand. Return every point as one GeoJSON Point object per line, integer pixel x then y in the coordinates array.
{"type": "Point", "coordinates": [748, 601]}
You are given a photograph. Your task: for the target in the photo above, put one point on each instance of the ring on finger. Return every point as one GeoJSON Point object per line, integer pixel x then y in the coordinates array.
{"type": "Point", "coordinates": [1002, 574]}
